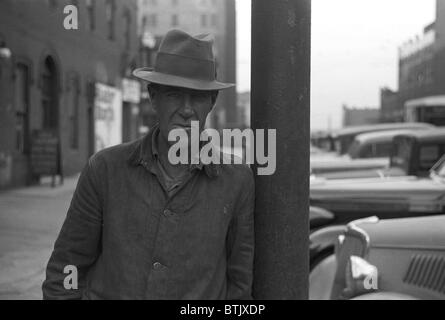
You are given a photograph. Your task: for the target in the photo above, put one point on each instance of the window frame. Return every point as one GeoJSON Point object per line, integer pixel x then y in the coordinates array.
{"type": "Point", "coordinates": [24, 114]}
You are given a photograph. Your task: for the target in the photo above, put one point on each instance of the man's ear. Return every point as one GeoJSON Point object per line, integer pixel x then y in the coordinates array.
{"type": "Point", "coordinates": [214, 97]}
{"type": "Point", "coordinates": [151, 94]}
{"type": "Point", "coordinates": [151, 91]}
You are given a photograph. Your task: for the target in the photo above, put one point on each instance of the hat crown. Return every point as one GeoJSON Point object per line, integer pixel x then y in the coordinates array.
{"type": "Point", "coordinates": [183, 55]}
{"type": "Point", "coordinates": [184, 61]}
{"type": "Point", "coordinates": [180, 43]}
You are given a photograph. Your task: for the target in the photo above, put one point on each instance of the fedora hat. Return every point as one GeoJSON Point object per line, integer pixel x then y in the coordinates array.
{"type": "Point", "coordinates": [184, 61]}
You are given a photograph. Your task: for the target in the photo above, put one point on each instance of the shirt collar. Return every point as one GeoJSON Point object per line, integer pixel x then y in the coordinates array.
{"type": "Point", "coordinates": [147, 150]}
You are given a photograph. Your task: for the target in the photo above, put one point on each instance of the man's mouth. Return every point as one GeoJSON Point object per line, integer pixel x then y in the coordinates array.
{"type": "Point", "coordinates": [182, 126]}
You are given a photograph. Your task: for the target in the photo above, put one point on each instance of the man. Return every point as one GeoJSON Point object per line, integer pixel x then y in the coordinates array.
{"type": "Point", "coordinates": [140, 227]}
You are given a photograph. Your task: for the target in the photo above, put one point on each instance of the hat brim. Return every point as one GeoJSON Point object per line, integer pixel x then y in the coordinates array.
{"type": "Point", "coordinates": [151, 76]}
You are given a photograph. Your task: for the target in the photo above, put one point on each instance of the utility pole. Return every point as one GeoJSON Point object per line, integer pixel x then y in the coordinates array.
{"type": "Point", "coordinates": [281, 100]}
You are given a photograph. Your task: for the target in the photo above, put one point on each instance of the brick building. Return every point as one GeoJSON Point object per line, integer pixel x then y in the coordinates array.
{"type": "Point", "coordinates": [390, 110]}
{"type": "Point", "coordinates": [360, 116]}
{"type": "Point", "coordinates": [49, 77]}
{"type": "Point", "coordinates": [421, 77]}
{"type": "Point", "coordinates": [416, 66]}
{"type": "Point", "coordinates": [217, 17]}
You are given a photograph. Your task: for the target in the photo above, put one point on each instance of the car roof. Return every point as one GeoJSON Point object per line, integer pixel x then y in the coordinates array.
{"type": "Point", "coordinates": [384, 135]}
{"type": "Point", "coordinates": [379, 127]}
{"type": "Point", "coordinates": [435, 134]}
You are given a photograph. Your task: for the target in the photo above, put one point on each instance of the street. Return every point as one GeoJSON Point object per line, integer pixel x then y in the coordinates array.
{"type": "Point", "coordinates": [30, 219]}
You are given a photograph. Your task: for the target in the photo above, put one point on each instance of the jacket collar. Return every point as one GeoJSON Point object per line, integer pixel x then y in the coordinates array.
{"type": "Point", "coordinates": [146, 151]}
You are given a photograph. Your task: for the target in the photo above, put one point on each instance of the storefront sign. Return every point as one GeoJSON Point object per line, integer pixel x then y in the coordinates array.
{"type": "Point", "coordinates": [107, 116]}
{"type": "Point", "coordinates": [45, 153]}
{"type": "Point", "coordinates": [131, 91]}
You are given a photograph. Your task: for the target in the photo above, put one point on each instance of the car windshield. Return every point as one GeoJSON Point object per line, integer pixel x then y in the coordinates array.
{"type": "Point", "coordinates": [441, 168]}
{"type": "Point", "coordinates": [428, 156]}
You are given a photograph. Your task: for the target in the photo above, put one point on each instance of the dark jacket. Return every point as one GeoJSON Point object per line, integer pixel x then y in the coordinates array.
{"type": "Point", "coordinates": [129, 239]}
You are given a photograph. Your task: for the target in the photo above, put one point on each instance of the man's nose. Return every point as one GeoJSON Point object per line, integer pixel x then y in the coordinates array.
{"type": "Point", "coordinates": [187, 109]}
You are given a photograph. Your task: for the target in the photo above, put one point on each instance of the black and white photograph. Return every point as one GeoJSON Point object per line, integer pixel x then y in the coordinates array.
{"type": "Point", "coordinates": [239, 151]}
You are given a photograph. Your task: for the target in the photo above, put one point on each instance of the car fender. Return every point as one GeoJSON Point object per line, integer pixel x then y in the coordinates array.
{"type": "Point", "coordinates": [319, 217]}
{"type": "Point", "coordinates": [383, 295]}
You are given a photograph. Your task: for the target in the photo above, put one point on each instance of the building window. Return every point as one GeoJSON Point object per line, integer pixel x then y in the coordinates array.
{"type": "Point", "coordinates": [49, 95]}
{"type": "Point", "coordinates": [214, 18]}
{"type": "Point", "coordinates": [127, 32]}
{"type": "Point", "coordinates": [91, 14]}
{"type": "Point", "coordinates": [74, 112]}
{"type": "Point", "coordinates": [52, 4]}
{"type": "Point", "coordinates": [110, 12]}
{"type": "Point", "coordinates": [204, 20]}
{"type": "Point", "coordinates": [420, 78]}
{"type": "Point", "coordinates": [152, 20]}
{"type": "Point", "coordinates": [144, 23]}
{"type": "Point", "coordinates": [21, 105]}
{"type": "Point", "coordinates": [174, 20]}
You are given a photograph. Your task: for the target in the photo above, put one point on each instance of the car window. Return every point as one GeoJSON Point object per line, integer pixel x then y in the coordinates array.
{"type": "Point", "coordinates": [428, 156]}
{"type": "Point", "coordinates": [402, 151]}
{"type": "Point", "coordinates": [337, 145]}
{"type": "Point", "coordinates": [370, 150]}
{"type": "Point", "coordinates": [367, 151]}
{"type": "Point", "coordinates": [354, 150]}
{"type": "Point", "coordinates": [344, 143]}
{"type": "Point", "coordinates": [383, 149]}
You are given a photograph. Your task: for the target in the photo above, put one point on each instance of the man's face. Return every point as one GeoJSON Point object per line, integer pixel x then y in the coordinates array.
{"type": "Point", "coordinates": [178, 107]}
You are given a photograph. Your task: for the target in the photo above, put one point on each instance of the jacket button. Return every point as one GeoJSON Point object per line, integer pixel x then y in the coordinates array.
{"type": "Point", "coordinates": [157, 266]}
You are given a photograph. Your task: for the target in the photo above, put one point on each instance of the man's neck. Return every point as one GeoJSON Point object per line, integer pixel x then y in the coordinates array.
{"type": "Point", "coordinates": [173, 170]}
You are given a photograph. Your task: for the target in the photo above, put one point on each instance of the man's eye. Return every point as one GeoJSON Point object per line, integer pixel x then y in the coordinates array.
{"type": "Point", "coordinates": [173, 94]}
{"type": "Point", "coordinates": [200, 97]}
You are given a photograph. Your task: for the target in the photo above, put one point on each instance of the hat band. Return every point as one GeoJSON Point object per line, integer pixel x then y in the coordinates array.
{"type": "Point", "coordinates": [185, 66]}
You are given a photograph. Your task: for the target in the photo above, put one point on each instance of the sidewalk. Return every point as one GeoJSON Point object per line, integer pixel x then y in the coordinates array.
{"type": "Point", "coordinates": [30, 220]}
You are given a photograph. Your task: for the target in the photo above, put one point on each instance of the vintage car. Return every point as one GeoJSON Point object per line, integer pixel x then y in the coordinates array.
{"type": "Point", "coordinates": [394, 259]}
{"type": "Point", "coordinates": [338, 142]}
{"type": "Point", "coordinates": [341, 139]}
{"type": "Point", "coordinates": [413, 152]}
{"type": "Point", "coordinates": [389, 192]}
{"type": "Point", "coordinates": [389, 198]}
{"type": "Point", "coordinates": [369, 151]}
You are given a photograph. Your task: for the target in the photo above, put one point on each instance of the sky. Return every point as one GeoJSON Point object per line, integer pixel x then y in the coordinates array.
{"type": "Point", "coordinates": [354, 51]}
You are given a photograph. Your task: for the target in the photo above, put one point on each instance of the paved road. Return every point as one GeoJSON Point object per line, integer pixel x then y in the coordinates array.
{"type": "Point", "coordinates": [30, 219]}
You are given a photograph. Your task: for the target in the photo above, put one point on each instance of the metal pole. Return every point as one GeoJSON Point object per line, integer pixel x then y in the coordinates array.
{"type": "Point", "coordinates": [281, 101]}
{"type": "Point", "coordinates": [230, 68]}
